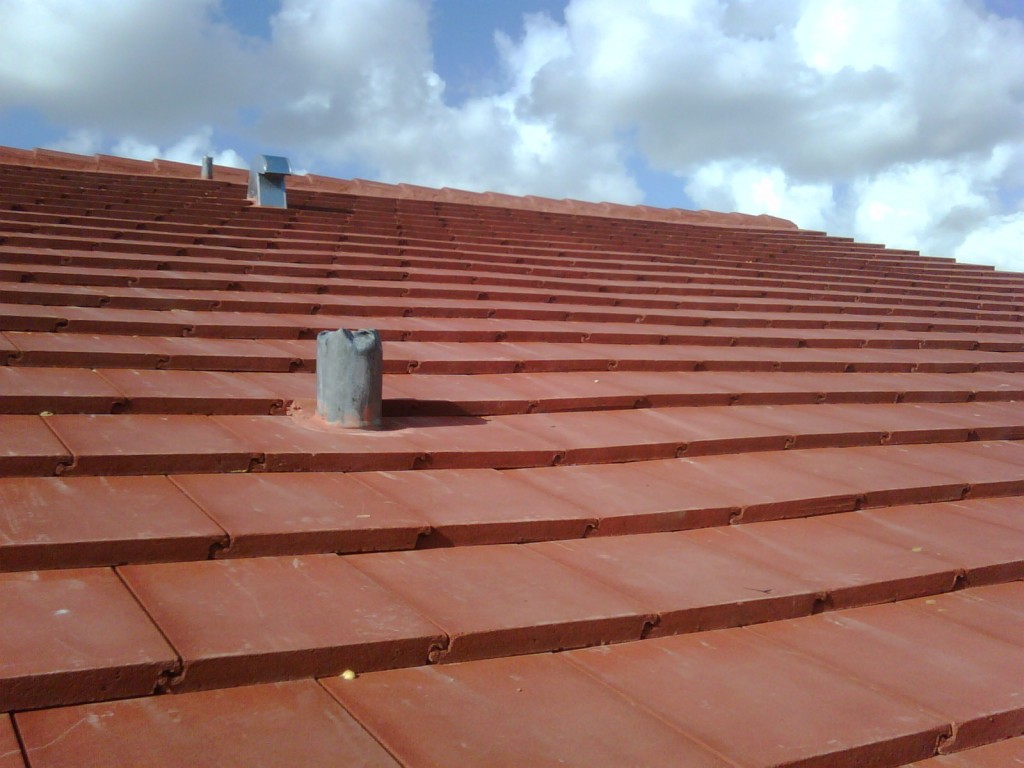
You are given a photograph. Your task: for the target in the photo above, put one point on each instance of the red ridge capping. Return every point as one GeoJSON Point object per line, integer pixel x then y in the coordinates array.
{"type": "Point", "coordinates": [53, 159]}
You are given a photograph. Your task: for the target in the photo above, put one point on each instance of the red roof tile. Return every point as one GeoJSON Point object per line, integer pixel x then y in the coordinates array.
{"type": "Point", "coordinates": [10, 750]}
{"type": "Point", "coordinates": [505, 600]}
{"type": "Point", "coordinates": [789, 705]}
{"type": "Point", "coordinates": [969, 679]}
{"type": "Point", "coordinates": [302, 513]}
{"type": "Point", "coordinates": [480, 506]}
{"type": "Point", "coordinates": [660, 442]}
{"type": "Point", "coordinates": [512, 712]}
{"type": "Point", "coordinates": [51, 522]}
{"type": "Point", "coordinates": [73, 636]}
{"type": "Point", "coordinates": [264, 619]}
{"type": "Point", "coordinates": [30, 447]}
{"type": "Point", "coordinates": [998, 755]}
{"type": "Point", "coordinates": [282, 724]}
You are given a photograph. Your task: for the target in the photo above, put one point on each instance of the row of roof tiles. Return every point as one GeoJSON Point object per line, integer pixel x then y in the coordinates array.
{"type": "Point", "coordinates": [249, 620]}
{"type": "Point", "coordinates": [66, 522]}
{"type": "Point", "coordinates": [33, 390]}
{"type": "Point", "coordinates": [699, 699]}
{"type": "Point", "coordinates": [132, 444]}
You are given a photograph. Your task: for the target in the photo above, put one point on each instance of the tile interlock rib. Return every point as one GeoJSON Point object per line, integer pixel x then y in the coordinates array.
{"type": "Point", "coordinates": [872, 668]}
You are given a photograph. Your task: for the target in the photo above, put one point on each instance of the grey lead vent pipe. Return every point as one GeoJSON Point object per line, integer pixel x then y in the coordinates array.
{"type": "Point", "coordinates": [207, 168]}
{"type": "Point", "coordinates": [349, 378]}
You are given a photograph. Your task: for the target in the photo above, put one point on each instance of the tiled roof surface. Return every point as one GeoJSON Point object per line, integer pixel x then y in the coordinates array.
{"type": "Point", "coordinates": [759, 489]}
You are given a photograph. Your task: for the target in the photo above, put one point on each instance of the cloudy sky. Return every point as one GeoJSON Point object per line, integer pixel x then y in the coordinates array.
{"type": "Point", "coordinates": [894, 121]}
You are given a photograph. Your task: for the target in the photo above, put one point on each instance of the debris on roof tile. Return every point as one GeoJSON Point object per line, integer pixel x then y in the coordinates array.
{"type": "Point", "coordinates": [652, 486]}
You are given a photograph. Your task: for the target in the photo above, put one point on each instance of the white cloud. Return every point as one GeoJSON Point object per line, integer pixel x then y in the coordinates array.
{"type": "Point", "coordinates": [998, 241]}
{"type": "Point", "coordinates": [141, 66]}
{"type": "Point", "coordinates": [727, 186]}
{"type": "Point", "coordinates": [822, 88]}
{"type": "Point", "coordinates": [374, 97]}
{"type": "Point", "coordinates": [80, 141]}
{"type": "Point", "coordinates": [894, 122]}
{"type": "Point", "coordinates": [940, 207]}
{"type": "Point", "coordinates": [189, 149]}
{"type": "Point", "coordinates": [925, 203]}
{"type": "Point", "coordinates": [836, 34]}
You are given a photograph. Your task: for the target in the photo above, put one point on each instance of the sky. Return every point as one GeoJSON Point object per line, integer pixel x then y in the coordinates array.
{"type": "Point", "coordinates": [893, 121]}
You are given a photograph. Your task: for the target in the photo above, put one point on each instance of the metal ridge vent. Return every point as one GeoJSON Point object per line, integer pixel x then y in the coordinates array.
{"type": "Point", "coordinates": [266, 181]}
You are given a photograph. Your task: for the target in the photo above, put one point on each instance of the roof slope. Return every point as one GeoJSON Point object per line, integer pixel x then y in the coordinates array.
{"type": "Point", "coordinates": [757, 487]}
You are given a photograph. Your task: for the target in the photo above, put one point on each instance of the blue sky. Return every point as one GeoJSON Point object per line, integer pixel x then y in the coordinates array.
{"type": "Point", "coordinates": [892, 121]}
